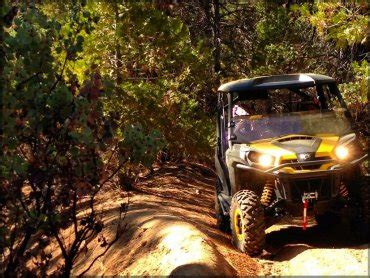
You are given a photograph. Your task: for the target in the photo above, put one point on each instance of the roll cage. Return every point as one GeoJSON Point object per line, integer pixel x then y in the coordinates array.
{"type": "Point", "coordinates": [257, 88]}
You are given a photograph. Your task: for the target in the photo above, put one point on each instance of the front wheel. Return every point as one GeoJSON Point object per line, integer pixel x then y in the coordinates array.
{"type": "Point", "coordinates": [247, 222]}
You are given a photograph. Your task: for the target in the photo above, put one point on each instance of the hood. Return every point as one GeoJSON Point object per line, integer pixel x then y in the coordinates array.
{"type": "Point", "coordinates": [298, 143]}
{"type": "Point", "coordinates": [289, 147]}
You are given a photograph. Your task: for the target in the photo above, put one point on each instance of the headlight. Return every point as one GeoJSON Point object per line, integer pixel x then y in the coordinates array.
{"type": "Point", "coordinates": [266, 160]}
{"type": "Point", "coordinates": [341, 152]}
{"type": "Point", "coordinates": [262, 159]}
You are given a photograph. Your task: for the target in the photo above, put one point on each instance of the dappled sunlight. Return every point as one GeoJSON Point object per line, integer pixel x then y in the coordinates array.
{"type": "Point", "coordinates": [184, 243]}
{"type": "Point", "coordinates": [167, 243]}
{"type": "Point", "coordinates": [323, 262]}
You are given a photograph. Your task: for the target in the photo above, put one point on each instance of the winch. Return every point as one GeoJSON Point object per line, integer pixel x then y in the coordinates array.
{"type": "Point", "coordinates": [308, 197]}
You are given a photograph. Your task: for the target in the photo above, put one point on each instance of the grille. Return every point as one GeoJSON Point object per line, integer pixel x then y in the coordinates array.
{"type": "Point", "coordinates": [298, 137]}
{"type": "Point", "coordinates": [322, 186]}
{"type": "Point", "coordinates": [306, 167]}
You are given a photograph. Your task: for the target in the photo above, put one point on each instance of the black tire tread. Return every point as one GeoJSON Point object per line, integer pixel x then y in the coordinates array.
{"type": "Point", "coordinates": [253, 222]}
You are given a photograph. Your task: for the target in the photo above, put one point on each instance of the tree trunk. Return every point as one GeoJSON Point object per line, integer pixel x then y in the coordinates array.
{"type": "Point", "coordinates": [2, 61]}
{"type": "Point", "coordinates": [118, 53]}
{"type": "Point", "coordinates": [14, 263]}
{"type": "Point", "coordinates": [67, 269]}
{"type": "Point", "coordinates": [216, 40]}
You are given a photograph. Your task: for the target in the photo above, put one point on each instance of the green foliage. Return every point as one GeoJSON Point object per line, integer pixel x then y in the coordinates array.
{"type": "Point", "coordinates": [47, 134]}
{"type": "Point", "coordinates": [85, 81]}
{"type": "Point", "coordinates": [345, 25]}
{"type": "Point", "coordinates": [162, 75]}
{"type": "Point", "coordinates": [164, 78]}
{"type": "Point", "coordinates": [142, 147]}
{"type": "Point", "coordinates": [334, 21]}
{"type": "Point", "coordinates": [355, 94]}
{"type": "Point", "coordinates": [356, 91]}
{"type": "Point", "coordinates": [54, 136]}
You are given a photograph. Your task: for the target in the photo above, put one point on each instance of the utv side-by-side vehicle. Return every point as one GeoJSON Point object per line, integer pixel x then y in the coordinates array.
{"type": "Point", "coordinates": [285, 146]}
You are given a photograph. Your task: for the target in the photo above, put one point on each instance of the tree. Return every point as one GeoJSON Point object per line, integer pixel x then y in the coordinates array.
{"type": "Point", "coordinates": [91, 89]}
{"type": "Point", "coordinates": [165, 80]}
{"type": "Point", "coordinates": [344, 25]}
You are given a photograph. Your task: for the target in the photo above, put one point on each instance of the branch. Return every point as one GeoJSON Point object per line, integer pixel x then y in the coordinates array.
{"type": "Point", "coordinates": [19, 86]}
{"type": "Point", "coordinates": [60, 243]}
{"type": "Point", "coordinates": [60, 75]}
{"type": "Point", "coordinates": [74, 208]}
{"type": "Point", "coordinates": [117, 236]}
{"type": "Point", "coordinates": [113, 151]}
{"type": "Point", "coordinates": [22, 152]}
{"type": "Point", "coordinates": [114, 173]}
{"type": "Point", "coordinates": [79, 238]}
{"type": "Point", "coordinates": [24, 207]}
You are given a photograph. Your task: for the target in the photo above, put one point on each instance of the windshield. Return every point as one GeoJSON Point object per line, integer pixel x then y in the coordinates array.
{"type": "Point", "coordinates": [251, 128]}
{"type": "Point", "coordinates": [282, 112]}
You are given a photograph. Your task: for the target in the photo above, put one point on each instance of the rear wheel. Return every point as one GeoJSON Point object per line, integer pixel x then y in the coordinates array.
{"type": "Point", "coordinates": [247, 222]}
{"type": "Point", "coordinates": [362, 217]}
{"type": "Point", "coordinates": [365, 193]}
{"type": "Point", "coordinates": [359, 199]}
{"type": "Point", "coordinates": [223, 221]}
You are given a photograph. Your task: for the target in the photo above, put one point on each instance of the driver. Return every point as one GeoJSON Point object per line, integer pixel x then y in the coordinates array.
{"type": "Point", "coordinates": [240, 109]}
{"type": "Point", "coordinates": [264, 128]}
{"type": "Point", "coordinates": [255, 128]}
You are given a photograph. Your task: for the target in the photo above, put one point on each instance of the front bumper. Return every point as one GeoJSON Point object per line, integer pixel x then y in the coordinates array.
{"type": "Point", "coordinates": [278, 171]}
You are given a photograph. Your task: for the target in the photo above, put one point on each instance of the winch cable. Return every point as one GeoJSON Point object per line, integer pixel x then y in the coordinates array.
{"type": "Point", "coordinates": [305, 206]}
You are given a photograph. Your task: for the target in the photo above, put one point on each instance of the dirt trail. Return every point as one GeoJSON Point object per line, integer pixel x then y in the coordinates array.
{"type": "Point", "coordinates": [171, 230]}
{"type": "Point", "coordinates": [316, 251]}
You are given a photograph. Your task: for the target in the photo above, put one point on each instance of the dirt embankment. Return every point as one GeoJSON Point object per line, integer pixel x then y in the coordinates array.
{"type": "Point", "coordinates": [171, 230]}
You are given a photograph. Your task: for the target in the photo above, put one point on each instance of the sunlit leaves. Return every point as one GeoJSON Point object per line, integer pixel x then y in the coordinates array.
{"type": "Point", "coordinates": [334, 20]}
{"type": "Point", "coordinates": [356, 92]}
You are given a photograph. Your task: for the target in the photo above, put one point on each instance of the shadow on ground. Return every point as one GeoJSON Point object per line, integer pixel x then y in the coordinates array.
{"type": "Point", "coordinates": [171, 230]}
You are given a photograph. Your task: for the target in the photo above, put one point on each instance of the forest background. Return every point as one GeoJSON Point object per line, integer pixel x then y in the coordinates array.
{"type": "Point", "coordinates": [94, 90]}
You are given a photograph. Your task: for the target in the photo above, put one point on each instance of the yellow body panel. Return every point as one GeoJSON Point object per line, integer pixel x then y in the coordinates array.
{"type": "Point", "coordinates": [325, 149]}
{"type": "Point", "coordinates": [327, 146]}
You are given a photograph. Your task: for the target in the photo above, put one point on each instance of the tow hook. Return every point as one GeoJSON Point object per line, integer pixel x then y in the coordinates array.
{"type": "Point", "coordinates": [306, 198]}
